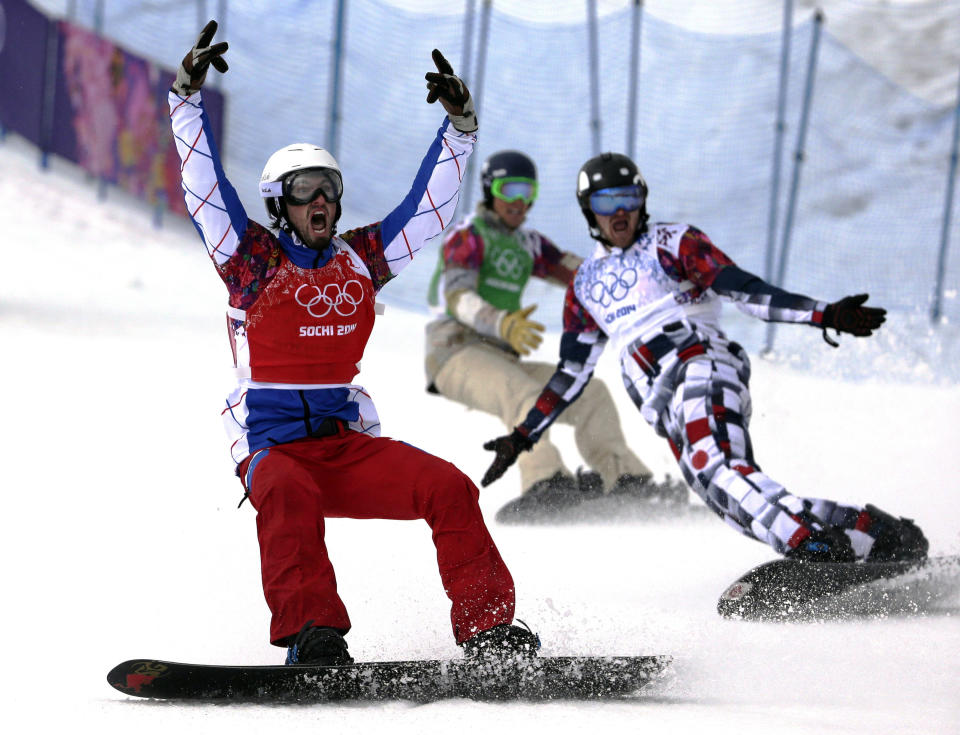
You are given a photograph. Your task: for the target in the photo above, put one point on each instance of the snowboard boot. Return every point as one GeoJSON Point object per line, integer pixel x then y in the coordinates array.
{"type": "Point", "coordinates": [670, 491]}
{"type": "Point", "coordinates": [589, 483]}
{"type": "Point", "coordinates": [829, 544]}
{"type": "Point", "coordinates": [542, 500]}
{"type": "Point", "coordinates": [894, 539]}
{"type": "Point", "coordinates": [502, 643]}
{"type": "Point", "coordinates": [318, 646]}
{"type": "Point", "coordinates": [641, 487]}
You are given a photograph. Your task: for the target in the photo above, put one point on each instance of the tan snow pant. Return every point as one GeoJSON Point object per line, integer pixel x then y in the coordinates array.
{"type": "Point", "coordinates": [487, 379]}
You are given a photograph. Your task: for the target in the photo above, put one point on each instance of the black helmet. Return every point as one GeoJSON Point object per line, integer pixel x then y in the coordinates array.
{"type": "Point", "coordinates": [505, 164]}
{"type": "Point", "coordinates": [606, 171]}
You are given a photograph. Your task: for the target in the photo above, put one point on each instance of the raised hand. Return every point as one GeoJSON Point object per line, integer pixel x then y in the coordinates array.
{"type": "Point", "coordinates": [193, 68]}
{"type": "Point", "coordinates": [453, 94]}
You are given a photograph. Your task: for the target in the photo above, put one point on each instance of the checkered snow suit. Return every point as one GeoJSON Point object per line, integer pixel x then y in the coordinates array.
{"type": "Point", "coordinates": [658, 303]}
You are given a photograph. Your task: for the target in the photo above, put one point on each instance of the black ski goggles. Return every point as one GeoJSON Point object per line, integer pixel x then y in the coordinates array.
{"type": "Point", "coordinates": [302, 187]}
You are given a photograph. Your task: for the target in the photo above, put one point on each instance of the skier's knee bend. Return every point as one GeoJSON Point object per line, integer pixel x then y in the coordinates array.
{"type": "Point", "coordinates": [446, 486]}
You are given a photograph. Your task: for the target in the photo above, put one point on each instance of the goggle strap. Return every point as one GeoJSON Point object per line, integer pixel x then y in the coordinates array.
{"type": "Point", "coordinates": [269, 189]}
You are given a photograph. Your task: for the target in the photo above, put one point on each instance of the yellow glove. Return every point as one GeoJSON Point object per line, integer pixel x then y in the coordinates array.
{"type": "Point", "coordinates": [520, 332]}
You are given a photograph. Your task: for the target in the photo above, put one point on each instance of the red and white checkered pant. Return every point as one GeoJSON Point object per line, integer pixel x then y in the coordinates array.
{"type": "Point", "coordinates": [706, 421]}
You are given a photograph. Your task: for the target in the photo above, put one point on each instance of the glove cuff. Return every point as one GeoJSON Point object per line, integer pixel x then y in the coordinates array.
{"type": "Point", "coordinates": [183, 84]}
{"type": "Point", "coordinates": [467, 121]}
{"type": "Point", "coordinates": [521, 441]}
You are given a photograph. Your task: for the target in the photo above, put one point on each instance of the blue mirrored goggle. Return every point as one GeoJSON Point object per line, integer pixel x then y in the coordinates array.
{"type": "Point", "coordinates": [303, 186]}
{"type": "Point", "coordinates": [512, 188]}
{"type": "Point", "coordinates": [608, 201]}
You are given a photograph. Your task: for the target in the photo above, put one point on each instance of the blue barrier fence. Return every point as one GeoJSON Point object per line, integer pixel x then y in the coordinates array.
{"type": "Point", "coordinates": [702, 113]}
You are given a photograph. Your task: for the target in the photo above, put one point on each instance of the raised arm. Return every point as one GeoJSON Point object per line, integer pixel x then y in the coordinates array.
{"type": "Point", "coordinates": [388, 246]}
{"type": "Point", "coordinates": [212, 202]}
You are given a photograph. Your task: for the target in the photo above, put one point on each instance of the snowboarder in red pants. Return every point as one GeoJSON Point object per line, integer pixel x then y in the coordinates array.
{"type": "Point", "coordinates": [306, 440]}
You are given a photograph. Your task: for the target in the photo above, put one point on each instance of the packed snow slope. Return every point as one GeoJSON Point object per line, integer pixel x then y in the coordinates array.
{"type": "Point", "coordinates": [123, 538]}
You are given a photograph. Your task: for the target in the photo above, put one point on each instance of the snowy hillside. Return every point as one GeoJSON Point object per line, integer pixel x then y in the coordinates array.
{"type": "Point", "coordinates": [123, 538]}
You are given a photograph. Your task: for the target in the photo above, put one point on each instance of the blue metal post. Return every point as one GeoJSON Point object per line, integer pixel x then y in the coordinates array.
{"type": "Point", "coordinates": [476, 91]}
{"type": "Point", "coordinates": [98, 17]}
{"type": "Point", "coordinates": [635, 40]}
{"type": "Point", "coordinates": [797, 163]}
{"type": "Point", "coordinates": [779, 132]}
{"type": "Point", "coordinates": [466, 59]}
{"type": "Point", "coordinates": [218, 79]}
{"type": "Point", "coordinates": [334, 100]}
{"type": "Point", "coordinates": [947, 214]}
{"type": "Point", "coordinates": [98, 23]}
{"type": "Point", "coordinates": [49, 92]}
{"type": "Point", "coordinates": [594, 74]}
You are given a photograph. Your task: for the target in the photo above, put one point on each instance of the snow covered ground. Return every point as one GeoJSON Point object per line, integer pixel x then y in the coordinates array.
{"type": "Point", "coordinates": [122, 537]}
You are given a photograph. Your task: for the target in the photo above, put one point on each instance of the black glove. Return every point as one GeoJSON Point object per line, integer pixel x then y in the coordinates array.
{"type": "Point", "coordinates": [193, 68]}
{"type": "Point", "coordinates": [452, 93]}
{"type": "Point", "coordinates": [507, 449]}
{"type": "Point", "coordinates": [850, 315]}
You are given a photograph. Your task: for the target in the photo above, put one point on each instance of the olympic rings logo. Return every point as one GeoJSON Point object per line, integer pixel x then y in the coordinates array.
{"type": "Point", "coordinates": [331, 298]}
{"type": "Point", "coordinates": [612, 287]}
{"type": "Point", "coordinates": [507, 264]}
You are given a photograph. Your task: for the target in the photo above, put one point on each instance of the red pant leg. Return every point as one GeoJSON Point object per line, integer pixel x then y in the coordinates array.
{"type": "Point", "coordinates": [298, 579]}
{"type": "Point", "coordinates": [357, 476]}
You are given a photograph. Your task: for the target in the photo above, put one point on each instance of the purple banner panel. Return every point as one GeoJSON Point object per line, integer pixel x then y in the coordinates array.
{"type": "Point", "coordinates": [24, 32]}
{"type": "Point", "coordinates": [76, 94]}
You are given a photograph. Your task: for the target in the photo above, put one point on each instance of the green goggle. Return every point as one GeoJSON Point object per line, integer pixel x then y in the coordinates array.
{"type": "Point", "coordinates": [513, 188]}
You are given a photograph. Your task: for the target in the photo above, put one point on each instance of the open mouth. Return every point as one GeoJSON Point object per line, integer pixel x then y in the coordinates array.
{"type": "Point", "coordinates": [318, 221]}
{"type": "Point", "coordinates": [620, 224]}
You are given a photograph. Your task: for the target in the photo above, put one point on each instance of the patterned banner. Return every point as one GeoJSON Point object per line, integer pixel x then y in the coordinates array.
{"type": "Point", "coordinates": [106, 110]}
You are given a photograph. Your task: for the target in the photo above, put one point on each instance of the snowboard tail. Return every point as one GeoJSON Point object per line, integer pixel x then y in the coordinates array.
{"type": "Point", "coordinates": [572, 677]}
{"type": "Point", "coordinates": [789, 589]}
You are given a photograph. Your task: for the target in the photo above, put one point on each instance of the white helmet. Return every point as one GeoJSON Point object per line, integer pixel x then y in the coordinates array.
{"type": "Point", "coordinates": [292, 158]}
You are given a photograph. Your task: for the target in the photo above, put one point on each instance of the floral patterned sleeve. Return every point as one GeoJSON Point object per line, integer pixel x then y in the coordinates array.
{"type": "Point", "coordinates": [698, 259]}
{"type": "Point", "coordinates": [554, 264]}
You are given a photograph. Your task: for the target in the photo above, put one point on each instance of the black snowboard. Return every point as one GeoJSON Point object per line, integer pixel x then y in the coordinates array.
{"type": "Point", "coordinates": [787, 589]}
{"type": "Point", "coordinates": [577, 677]}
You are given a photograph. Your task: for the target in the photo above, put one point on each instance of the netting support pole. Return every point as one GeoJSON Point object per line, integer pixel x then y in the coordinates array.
{"type": "Point", "coordinates": [466, 58]}
{"type": "Point", "coordinates": [935, 312]}
{"type": "Point", "coordinates": [779, 131]}
{"type": "Point", "coordinates": [333, 126]}
{"type": "Point", "coordinates": [635, 29]}
{"type": "Point", "coordinates": [594, 74]}
{"type": "Point", "coordinates": [797, 164]}
{"type": "Point", "coordinates": [476, 91]}
{"type": "Point", "coordinates": [99, 21]}
{"type": "Point", "coordinates": [221, 18]}
{"type": "Point", "coordinates": [49, 91]}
